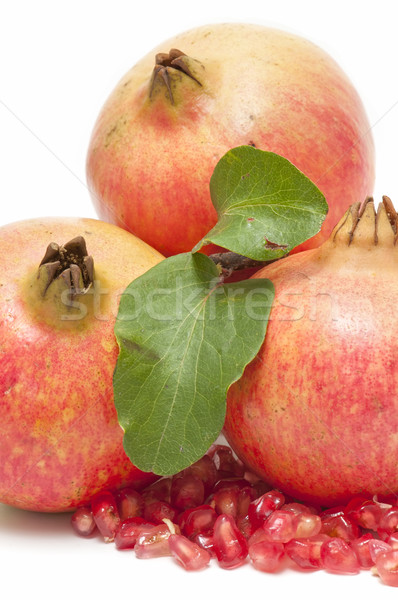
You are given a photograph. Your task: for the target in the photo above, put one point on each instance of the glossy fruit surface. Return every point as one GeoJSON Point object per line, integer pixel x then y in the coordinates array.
{"type": "Point", "coordinates": [60, 439]}
{"type": "Point", "coordinates": [315, 413]}
{"type": "Point", "coordinates": [163, 129]}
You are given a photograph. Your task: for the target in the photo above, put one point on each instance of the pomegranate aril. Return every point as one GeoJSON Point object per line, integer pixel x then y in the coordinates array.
{"type": "Point", "coordinates": [188, 554]}
{"type": "Point", "coordinates": [299, 509]}
{"type": "Point", "coordinates": [106, 515]}
{"type": "Point", "coordinates": [235, 483]}
{"type": "Point", "coordinates": [337, 556]}
{"type": "Point", "coordinates": [280, 526]}
{"type": "Point", "coordinates": [159, 490]}
{"type": "Point", "coordinates": [225, 462]}
{"type": "Point", "coordinates": [187, 492]}
{"type": "Point", "coordinates": [230, 546]}
{"type": "Point", "coordinates": [130, 530]}
{"type": "Point", "coordinates": [307, 525]}
{"type": "Point", "coordinates": [388, 523]}
{"type": "Point", "coordinates": [267, 556]}
{"type": "Point", "coordinates": [392, 540]}
{"type": "Point", "coordinates": [362, 550]}
{"type": "Point", "coordinates": [199, 520]}
{"type": "Point", "coordinates": [365, 513]}
{"type": "Point", "coordinates": [340, 526]}
{"type": "Point", "coordinates": [387, 567]}
{"type": "Point", "coordinates": [306, 553]}
{"type": "Point", "coordinates": [157, 510]}
{"type": "Point", "coordinates": [225, 501]}
{"type": "Point", "coordinates": [153, 543]}
{"type": "Point", "coordinates": [261, 508]}
{"type": "Point", "coordinates": [205, 541]}
{"type": "Point", "coordinates": [130, 503]}
{"type": "Point", "coordinates": [376, 547]}
{"type": "Point", "coordinates": [83, 521]}
{"type": "Point", "coordinates": [205, 470]}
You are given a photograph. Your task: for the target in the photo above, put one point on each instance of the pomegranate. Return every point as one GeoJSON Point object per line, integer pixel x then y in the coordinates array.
{"type": "Point", "coordinates": [60, 439]}
{"type": "Point", "coordinates": [177, 112]}
{"type": "Point", "coordinates": [315, 412]}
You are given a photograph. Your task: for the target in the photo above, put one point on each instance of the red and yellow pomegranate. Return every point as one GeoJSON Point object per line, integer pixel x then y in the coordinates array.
{"type": "Point", "coordinates": [316, 412]}
{"type": "Point", "coordinates": [60, 438]}
{"type": "Point", "coordinates": [183, 106]}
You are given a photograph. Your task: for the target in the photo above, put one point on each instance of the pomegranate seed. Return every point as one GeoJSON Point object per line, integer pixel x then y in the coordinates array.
{"type": "Point", "coordinates": [130, 530]}
{"type": "Point", "coordinates": [306, 553]}
{"type": "Point", "coordinates": [280, 526]}
{"type": "Point", "coordinates": [188, 554]}
{"type": "Point", "coordinates": [155, 542]}
{"type": "Point", "coordinates": [361, 549]}
{"type": "Point", "coordinates": [388, 523]}
{"type": "Point", "coordinates": [225, 462]}
{"type": "Point", "coordinates": [106, 515]}
{"type": "Point", "coordinates": [230, 545]}
{"type": "Point", "coordinates": [130, 503]}
{"type": "Point", "coordinates": [261, 508]}
{"type": "Point", "coordinates": [364, 513]}
{"type": "Point", "coordinates": [393, 540]}
{"type": "Point", "coordinates": [335, 511]}
{"type": "Point", "coordinates": [246, 496]}
{"type": "Point", "coordinates": [157, 510]}
{"type": "Point", "coordinates": [187, 492]}
{"type": "Point", "coordinates": [299, 509]}
{"type": "Point", "coordinates": [338, 557]}
{"type": "Point", "coordinates": [199, 520]}
{"type": "Point", "coordinates": [245, 527]}
{"type": "Point", "coordinates": [267, 556]}
{"type": "Point", "coordinates": [225, 501]}
{"type": "Point", "coordinates": [205, 541]}
{"type": "Point", "coordinates": [205, 470]}
{"type": "Point", "coordinates": [340, 526]}
{"type": "Point", "coordinates": [83, 521]}
{"type": "Point", "coordinates": [387, 567]}
{"type": "Point", "coordinates": [307, 525]}
{"type": "Point", "coordinates": [234, 483]}
{"type": "Point", "coordinates": [376, 547]}
{"type": "Point", "coordinates": [159, 490]}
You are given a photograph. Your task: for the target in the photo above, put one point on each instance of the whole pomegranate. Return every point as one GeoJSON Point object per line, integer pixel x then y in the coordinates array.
{"type": "Point", "coordinates": [60, 438]}
{"type": "Point", "coordinates": [316, 412]}
{"type": "Point", "coordinates": [184, 105]}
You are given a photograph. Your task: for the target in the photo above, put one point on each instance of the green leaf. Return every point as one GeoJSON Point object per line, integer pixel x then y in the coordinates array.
{"type": "Point", "coordinates": [184, 338]}
{"type": "Point", "coordinates": [265, 205]}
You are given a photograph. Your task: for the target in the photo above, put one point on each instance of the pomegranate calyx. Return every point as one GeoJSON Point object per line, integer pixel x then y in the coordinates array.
{"type": "Point", "coordinates": [166, 65]}
{"type": "Point", "coordinates": [69, 262]}
{"type": "Point", "coordinates": [363, 226]}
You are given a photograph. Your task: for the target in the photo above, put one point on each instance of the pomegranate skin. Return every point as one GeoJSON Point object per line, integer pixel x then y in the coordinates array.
{"type": "Point", "coordinates": [316, 412]}
{"type": "Point", "coordinates": [149, 161]}
{"type": "Point", "coordinates": [60, 439]}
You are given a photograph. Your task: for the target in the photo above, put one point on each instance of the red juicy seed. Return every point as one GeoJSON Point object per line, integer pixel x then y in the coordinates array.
{"type": "Point", "coordinates": [130, 503]}
{"type": "Point", "coordinates": [267, 556]}
{"type": "Point", "coordinates": [160, 490]}
{"type": "Point", "coordinates": [307, 552]}
{"type": "Point", "coordinates": [158, 510]}
{"type": "Point", "coordinates": [280, 526]}
{"type": "Point", "coordinates": [230, 483]}
{"type": "Point", "coordinates": [225, 501]}
{"type": "Point", "coordinates": [225, 462]}
{"type": "Point", "coordinates": [187, 492]}
{"type": "Point", "coordinates": [299, 509]}
{"type": "Point", "coordinates": [387, 567]}
{"type": "Point", "coordinates": [199, 520]}
{"type": "Point", "coordinates": [188, 554]}
{"type": "Point", "coordinates": [388, 523]}
{"type": "Point", "coordinates": [154, 543]}
{"type": "Point", "coordinates": [260, 488]}
{"type": "Point", "coordinates": [205, 540]}
{"type": "Point", "coordinates": [335, 511]}
{"type": "Point", "coordinates": [338, 557]}
{"type": "Point", "coordinates": [340, 526]}
{"type": "Point", "coordinates": [244, 525]}
{"type": "Point", "coordinates": [376, 547]}
{"type": "Point", "coordinates": [307, 524]}
{"type": "Point", "coordinates": [83, 521]}
{"type": "Point", "coordinates": [245, 498]}
{"type": "Point", "coordinates": [106, 515]}
{"type": "Point", "coordinates": [261, 508]}
{"type": "Point", "coordinates": [392, 540]}
{"type": "Point", "coordinates": [361, 549]}
{"type": "Point", "coordinates": [230, 545]}
{"type": "Point", "coordinates": [355, 503]}
{"type": "Point", "coordinates": [130, 530]}
{"type": "Point", "coordinates": [205, 470]}
{"type": "Point", "coordinates": [366, 515]}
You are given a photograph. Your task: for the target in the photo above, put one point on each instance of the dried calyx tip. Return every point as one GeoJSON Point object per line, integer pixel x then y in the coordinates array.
{"type": "Point", "coordinates": [69, 262]}
{"type": "Point", "coordinates": [363, 222]}
{"type": "Point", "coordinates": [165, 63]}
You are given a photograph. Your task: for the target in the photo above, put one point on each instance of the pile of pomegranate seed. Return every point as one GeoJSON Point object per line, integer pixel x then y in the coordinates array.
{"type": "Point", "coordinates": [215, 509]}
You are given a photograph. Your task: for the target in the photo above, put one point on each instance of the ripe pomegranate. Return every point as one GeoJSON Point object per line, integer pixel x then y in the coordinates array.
{"type": "Point", "coordinates": [60, 438]}
{"type": "Point", "coordinates": [315, 413]}
{"type": "Point", "coordinates": [177, 112]}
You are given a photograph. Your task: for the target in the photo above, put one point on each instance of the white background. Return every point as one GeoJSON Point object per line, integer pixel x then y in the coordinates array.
{"type": "Point", "coordinates": [58, 62]}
